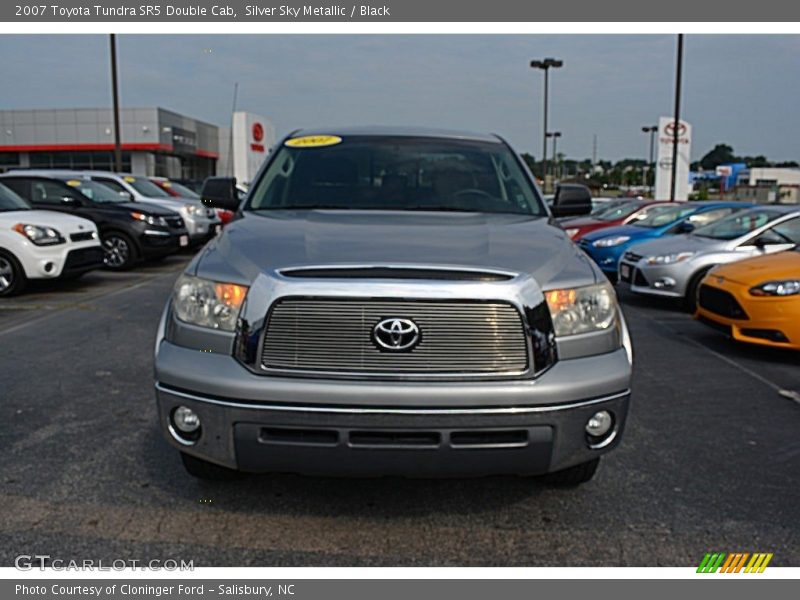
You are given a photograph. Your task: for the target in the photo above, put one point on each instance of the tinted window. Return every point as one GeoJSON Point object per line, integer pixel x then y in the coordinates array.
{"type": "Point", "coordinates": [702, 219]}
{"type": "Point", "coordinates": [146, 188]}
{"type": "Point", "coordinates": [398, 173]}
{"type": "Point", "coordinates": [113, 185]}
{"type": "Point", "coordinates": [44, 191]}
{"type": "Point", "coordinates": [94, 191]}
{"type": "Point", "coordinates": [9, 200]}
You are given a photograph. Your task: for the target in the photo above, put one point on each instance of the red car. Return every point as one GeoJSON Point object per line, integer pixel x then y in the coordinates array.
{"type": "Point", "coordinates": [173, 188]}
{"type": "Point", "coordinates": [622, 213]}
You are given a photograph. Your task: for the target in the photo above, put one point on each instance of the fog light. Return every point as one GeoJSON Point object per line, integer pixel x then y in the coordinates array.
{"type": "Point", "coordinates": [185, 420]}
{"type": "Point", "coordinates": [48, 267]}
{"type": "Point", "coordinates": [664, 282]}
{"type": "Point", "coordinates": [600, 424]}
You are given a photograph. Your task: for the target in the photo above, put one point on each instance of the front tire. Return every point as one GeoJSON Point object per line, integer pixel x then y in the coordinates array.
{"type": "Point", "coordinates": [690, 300]}
{"type": "Point", "coordinates": [12, 276]}
{"type": "Point", "coordinates": [202, 469]}
{"type": "Point", "coordinates": [573, 476]}
{"type": "Point", "coordinates": [120, 252]}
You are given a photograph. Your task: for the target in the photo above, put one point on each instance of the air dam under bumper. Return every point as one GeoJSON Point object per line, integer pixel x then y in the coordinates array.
{"type": "Point", "coordinates": [305, 426]}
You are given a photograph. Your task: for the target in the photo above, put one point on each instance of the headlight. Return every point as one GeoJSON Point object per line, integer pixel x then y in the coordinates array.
{"type": "Point", "coordinates": [572, 232]}
{"type": "Point", "coordinates": [669, 259]}
{"type": "Point", "coordinates": [193, 210]}
{"type": "Point", "coordinates": [608, 242]}
{"type": "Point", "coordinates": [583, 309]}
{"type": "Point", "coordinates": [149, 219]}
{"type": "Point", "coordinates": [789, 287]}
{"type": "Point", "coordinates": [208, 303]}
{"type": "Point", "coordinates": [40, 236]}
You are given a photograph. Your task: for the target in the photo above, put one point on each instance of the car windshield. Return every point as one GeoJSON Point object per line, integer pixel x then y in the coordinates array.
{"type": "Point", "coordinates": [603, 206]}
{"type": "Point", "coordinates": [658, 216]}
{"type": "Point", "coordinates": [737, 225]}
{"type": "Point", "coordinates": [146, 188]}
{"type": "Point", "coordinates": [96, 192]}
{"type": "Point", "coordinates": [9, 200]}
{"type": "Point", "coordinates": [181, 190]}
{"type": "Point", "coordinates": [620, 211]}
{"type": "Point", "coordinates": [397, 173]}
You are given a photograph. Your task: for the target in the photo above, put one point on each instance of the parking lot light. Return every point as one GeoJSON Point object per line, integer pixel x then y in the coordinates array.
{"type": "Point", "coordinates": [545, 65]}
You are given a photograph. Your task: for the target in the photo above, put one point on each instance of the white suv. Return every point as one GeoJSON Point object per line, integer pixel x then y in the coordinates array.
{"type": "Point", "coordinates": [40, 244]}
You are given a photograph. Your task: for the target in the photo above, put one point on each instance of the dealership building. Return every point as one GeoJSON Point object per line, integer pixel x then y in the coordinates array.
{"type": "Point", "coordinates": [155, 141]}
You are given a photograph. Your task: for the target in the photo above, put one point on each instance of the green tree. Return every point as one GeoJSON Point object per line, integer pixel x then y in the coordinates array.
{"type": "Point", "coordinates": [721, 154]}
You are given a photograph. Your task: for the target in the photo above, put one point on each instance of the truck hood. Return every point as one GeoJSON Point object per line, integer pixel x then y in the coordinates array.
{"type": "Point", "coordinates": [273, 240]}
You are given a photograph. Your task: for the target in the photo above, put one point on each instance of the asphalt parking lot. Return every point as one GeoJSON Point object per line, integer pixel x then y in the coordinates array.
{"type": "Point", "coordinates": [710, 461]}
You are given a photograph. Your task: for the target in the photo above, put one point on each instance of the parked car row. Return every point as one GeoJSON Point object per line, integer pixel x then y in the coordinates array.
{"type": "Point", "coordinates": [736, 266]}
{"type": "Point", "coordinates": [117, 220]}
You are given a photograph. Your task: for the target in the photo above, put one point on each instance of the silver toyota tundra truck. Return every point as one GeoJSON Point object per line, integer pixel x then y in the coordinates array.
{"type": "Point", "coordinates": [392, 302]}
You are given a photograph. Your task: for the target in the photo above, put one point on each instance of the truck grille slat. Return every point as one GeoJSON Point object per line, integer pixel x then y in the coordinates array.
{"type": "Point", "coordinates": [335, 335]}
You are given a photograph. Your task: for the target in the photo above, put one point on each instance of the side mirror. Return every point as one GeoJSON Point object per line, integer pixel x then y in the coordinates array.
{"type": "Point", "coordinates": [127, 195]}
{"type": "Point", "coordinates": [572, 200]}
{"type": "Point", "coordinates": [685, 227]}
{"type": "Point", "coordinates": [220, 192]}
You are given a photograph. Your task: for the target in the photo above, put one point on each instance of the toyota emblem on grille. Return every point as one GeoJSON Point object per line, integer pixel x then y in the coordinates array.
{"type": "Point", "coordinates": [396, 334]}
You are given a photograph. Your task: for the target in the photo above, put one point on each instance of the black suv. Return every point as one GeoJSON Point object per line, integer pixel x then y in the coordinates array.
{"type": "Point", "coordinates": [129, 231]}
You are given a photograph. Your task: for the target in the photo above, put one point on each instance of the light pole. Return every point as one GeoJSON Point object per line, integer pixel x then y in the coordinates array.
{"type": "Point", "coordinates": [555, 135]}
{"type": "Point", "coordinates": [115, 100]}
{"type": "Point", "coordinates": [677, 120]}
{"type": "Point", "coordinates": [545, 65]}
{"type": "Point", "coordinates": [651, 129]}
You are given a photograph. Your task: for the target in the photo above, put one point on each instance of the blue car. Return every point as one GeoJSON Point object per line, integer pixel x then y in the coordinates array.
{"type": "Point", "coordinates": [606, 246]}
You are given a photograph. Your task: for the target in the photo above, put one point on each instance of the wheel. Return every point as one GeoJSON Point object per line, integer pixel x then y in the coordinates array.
{"type": "Point", "coordinates": [12, 277]}
{"type": "Point", "coordinates": [202, 469]}
{"type": "Point", "coordinates": [573, 476]}
{"type": "Point", "coordinates": [690, 299]}
{"type": "Point", "coordinates": [119, 249]}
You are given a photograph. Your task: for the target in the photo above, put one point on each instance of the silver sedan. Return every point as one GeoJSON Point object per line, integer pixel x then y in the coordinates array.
{"type": "Point", "coordinates": [673, 267]}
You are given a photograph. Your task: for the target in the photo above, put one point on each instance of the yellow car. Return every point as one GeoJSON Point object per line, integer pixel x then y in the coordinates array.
{"type": "Point", "coordinates": [755, 300]}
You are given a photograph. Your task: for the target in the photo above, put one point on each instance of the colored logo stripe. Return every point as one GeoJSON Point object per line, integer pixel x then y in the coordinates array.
{"type": "Point", "coordinates": [734, 562]}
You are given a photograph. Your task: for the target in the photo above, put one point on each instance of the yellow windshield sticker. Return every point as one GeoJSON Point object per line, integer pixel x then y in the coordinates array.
{"type": "Point", "coordinates": [166, 184]}
{"type": "Point", "coordinates": [74, 183]}
{"type": "Point", "coordinates": [130, 179]}
{"type": "Point", "coordinates": [313, 141]}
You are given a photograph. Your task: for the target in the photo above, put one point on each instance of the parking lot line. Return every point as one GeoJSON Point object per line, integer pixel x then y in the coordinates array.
{"type": "Point", "coordinates": [60, 309]}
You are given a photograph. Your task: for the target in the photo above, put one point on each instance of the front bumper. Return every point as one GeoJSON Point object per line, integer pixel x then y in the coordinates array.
{"type": "Point", "coordinates": [160, 241]}
{"type": "Point", "coordinates": [201, 229]}
{"type": "Point", "coordinates": [342, 427]}
{"type": "Point", "coordinates": [668, 281]}
{"type": "Point", "coordinates": [770, 321]}
{"type": "Point", "coordinates": [51, 262]}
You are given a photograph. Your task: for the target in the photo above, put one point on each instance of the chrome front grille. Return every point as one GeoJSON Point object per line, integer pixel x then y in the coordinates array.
{"type": "Point", "coordinates": [335, 336]}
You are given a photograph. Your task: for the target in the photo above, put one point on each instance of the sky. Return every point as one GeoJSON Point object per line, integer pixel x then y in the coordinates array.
{"type": "Point", "coordinates": [743, 90]}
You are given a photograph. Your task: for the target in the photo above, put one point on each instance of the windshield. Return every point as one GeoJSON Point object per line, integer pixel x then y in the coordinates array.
{"type": "Point", "coordinates": [11, 201]}
{"type": "Point", "coordinates": [619, 211]}
{"type": "Point", "coordinates": [737, 225]}
{"type": "Point", "coordinates": [658, 216]}
{"type": "Point", "coordinates": [397, 173]}
{"type": "Point", "coordinates": [96, 192]}
{"type": "Point", "coordinates": [602, 207]}
{"type": "Point", "coordinates": [181, 190]}
{"type": "Point", "coordinates": [146, 188]}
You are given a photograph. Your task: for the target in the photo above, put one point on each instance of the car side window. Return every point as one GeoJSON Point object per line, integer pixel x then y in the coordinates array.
{"type": "Point", "coordinates": [48, 192]}
{"type": "Point", "coordinates": [20, 185]}
{"type": "Point", "coordinates": [111, 184]}
{"type": "Point", "coordinates": [709, 216]}
{"type": "Point", "coordinates": [788, 231]}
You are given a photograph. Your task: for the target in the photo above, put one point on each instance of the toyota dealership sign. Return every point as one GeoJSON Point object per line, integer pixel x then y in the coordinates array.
{"type": "Point", "coordinates": [666, 132]}
{"type": "Point", "coordinates": [253, 137]}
